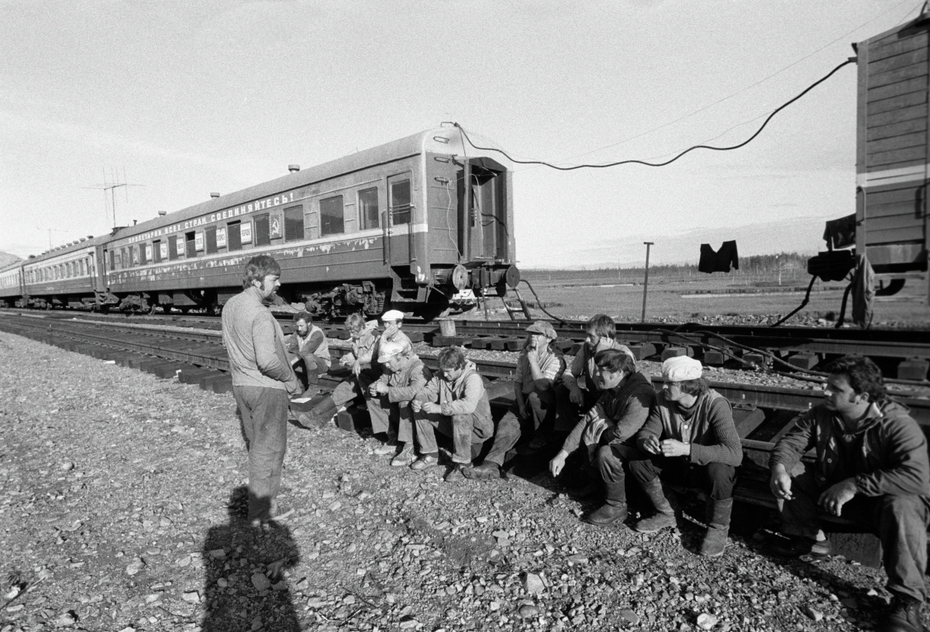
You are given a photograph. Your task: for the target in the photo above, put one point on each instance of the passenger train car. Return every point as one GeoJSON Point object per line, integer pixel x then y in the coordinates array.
{"type": "Point", "coordinates": [893, 152]}
{"type": "Point", "coordinates": [422, 224]}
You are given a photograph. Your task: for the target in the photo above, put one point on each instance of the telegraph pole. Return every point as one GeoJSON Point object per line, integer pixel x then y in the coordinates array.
{"type": "Point", "coordinates": [646, 281]}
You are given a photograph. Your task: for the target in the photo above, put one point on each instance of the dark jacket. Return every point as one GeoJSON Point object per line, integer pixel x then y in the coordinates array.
{"type": "Point", "coordinates": [891, 450]}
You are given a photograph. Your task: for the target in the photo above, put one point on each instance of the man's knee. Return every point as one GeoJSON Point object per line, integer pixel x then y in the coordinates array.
{"type": "Point", "coordinates": [904, 508]}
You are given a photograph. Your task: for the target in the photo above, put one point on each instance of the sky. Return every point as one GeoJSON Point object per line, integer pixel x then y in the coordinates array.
{"type": "Point", "coordinates": [173, 100]}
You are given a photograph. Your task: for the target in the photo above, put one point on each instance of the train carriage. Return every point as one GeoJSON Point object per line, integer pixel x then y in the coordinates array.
{"type": "Point", "coordinates": [419, 224]}
{"type": "Point", "coordinates": [11, 284]}
{"type": "Point", "coordinates": [416, 223]}
{"type": "Point", "coordinates": [893, 153]}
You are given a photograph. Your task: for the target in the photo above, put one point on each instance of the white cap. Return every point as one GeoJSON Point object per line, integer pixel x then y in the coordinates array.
{"type": "Point", "coordinates": [681, 368]}
{"type": "Point", "coordinates": [388, 350]}
{"type": "Point", "coordinates": [393, 315]}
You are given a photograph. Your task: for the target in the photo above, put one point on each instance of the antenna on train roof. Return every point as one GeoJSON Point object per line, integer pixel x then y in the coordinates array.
{"type": "Point", "coordinates": [111, 187]}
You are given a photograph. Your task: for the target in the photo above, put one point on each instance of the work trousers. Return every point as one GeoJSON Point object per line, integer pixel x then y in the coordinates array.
{"type": "Point", "coordinates": [391, 418]}
{"type": "Point", "coordinates": [900, 522]}
{"type": "Point", "coordinates": [610, 460]}
{"type": "Point", "coordinates": [263, 418]}
{"type": "Point", "coordinates": [465, 430]}
{"type": "Point", "coordinates": [312, 368]}
{"type": "Point", "coordinates": [567, 412]}
{"type": "Point", "coordinates": [354, 386]}
{"type": "Point", "coordinates": [717, 479]}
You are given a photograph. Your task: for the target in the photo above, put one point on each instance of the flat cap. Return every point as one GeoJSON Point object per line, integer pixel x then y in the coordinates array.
{"type": "Point", "coordinates": [681, 368]}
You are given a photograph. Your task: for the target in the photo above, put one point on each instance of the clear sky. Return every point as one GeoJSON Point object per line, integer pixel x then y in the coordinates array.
{"type": "Point", "coordinates": [177, 99]}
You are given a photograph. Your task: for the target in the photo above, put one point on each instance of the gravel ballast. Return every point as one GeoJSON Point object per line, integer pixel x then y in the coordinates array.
{"type": "Point", "coordinates": [115, 516]}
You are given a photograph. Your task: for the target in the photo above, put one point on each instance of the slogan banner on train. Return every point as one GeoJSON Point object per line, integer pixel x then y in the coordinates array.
{"type": "Point", "coordinates": [218, 216]}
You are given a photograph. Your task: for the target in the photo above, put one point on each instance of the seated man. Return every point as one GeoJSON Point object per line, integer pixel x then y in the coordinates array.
{"type": "Point", "coordinates": [307, 348]}
{"type": "Point", "coordinates": [689, 437]}
{"type": "Point", "coordinates": [359, 360]}
{"type": "Point", "coordinates": [456, 403]}
{"type": "Point", "coordinates": [404, 377]}
{"type": "Point", "coordinates": [538, 366]}
{"type": "Point", "coordinates": [872, 468]}
{"type": "Point", "coordinates": [393, 321]}
{"type": "Point", "coordinates": [577, 392]}
{"type": "Point", "coordinates": [607, 430]}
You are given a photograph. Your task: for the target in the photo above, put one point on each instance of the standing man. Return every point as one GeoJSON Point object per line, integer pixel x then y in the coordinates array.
{"type": "Point", "coordinates": [690, 438]}
{"type": "Point", "coordinates": [308, 346]}
{"type": "Point", "coordinates": [262, 379]}
{"type": "Point", "coordinates": [871, 467]}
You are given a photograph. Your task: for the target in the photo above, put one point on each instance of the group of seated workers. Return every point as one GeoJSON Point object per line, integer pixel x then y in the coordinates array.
{"type": "Point", "coordinates": [871, 464]}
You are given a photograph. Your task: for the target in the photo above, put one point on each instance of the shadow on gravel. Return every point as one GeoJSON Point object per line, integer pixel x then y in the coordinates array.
{"type": "Point", "coordinates": [244, 566]}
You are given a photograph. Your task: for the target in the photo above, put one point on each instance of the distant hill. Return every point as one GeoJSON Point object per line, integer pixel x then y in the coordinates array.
{"type": "Point", "coordinates": [7, 259]}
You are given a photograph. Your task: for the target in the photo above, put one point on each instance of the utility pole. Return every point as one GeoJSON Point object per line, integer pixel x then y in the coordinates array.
{"type": "Point", "coordinates": [646, 281]}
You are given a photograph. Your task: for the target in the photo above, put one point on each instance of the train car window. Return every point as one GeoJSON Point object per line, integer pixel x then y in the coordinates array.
{"type": "Point", "coordinates": [209, 234]}
{"type": "Point", "coordinates": [293, 223]}
{"type": "Point", "coordinates": [127, 260]}
{"type": "Point", "coordinates": [145, 253]}
{"type": "Point", "coordinates": [220, 236]}
{"type": "Point", "coordinates": [332, 220]}
{"type": "Point", "coordinates": [173, 248]}
{"type": "Point", "coordinates": [190, 244]}
{"type": "Point", "coordinates": [400, 202]}
{"type": "Point", "coordinates": [156, 251]}
{"type": "Point", "coordinates": [262, 234]}
{"type": "Point", "coordinates": [368, 208]}
{"type": "Point", "coordinates": [233, 236]}
{"type": "Point", "coordinates": [116, 262]}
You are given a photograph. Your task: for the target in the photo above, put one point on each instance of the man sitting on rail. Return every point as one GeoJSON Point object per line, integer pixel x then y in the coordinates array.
{"type": "Point", "coordinates": [606, 432]}
{"type": "Point", "coordinates": [577, 392]}
{"type": "Point", "coordinates": [538, 367]}
{"type": "Point", "coordinates": [404, 377]}
{"type": "Point", "coordinates": [456, 403]}
{"type": "Point", "coordinates": [308, 347]}
{"type": "Point", "coordinates": [871, 467]}
{"type": "Point", "coordinates": [689, 437]}
{"type": "Point", "coordinates": [359, 360]}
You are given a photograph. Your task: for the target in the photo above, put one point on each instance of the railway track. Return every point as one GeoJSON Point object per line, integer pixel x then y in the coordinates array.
{"type": "Point", "coordinates": [903, 355]}
{"type": "Point", "coordinates": [763, 413]}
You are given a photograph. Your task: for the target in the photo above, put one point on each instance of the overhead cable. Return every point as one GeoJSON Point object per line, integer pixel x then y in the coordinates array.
{"type": "Point", "coordinates": [671, 160]}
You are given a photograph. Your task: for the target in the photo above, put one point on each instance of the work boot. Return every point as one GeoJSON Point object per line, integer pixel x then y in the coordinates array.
{"type": "Point", "coordinates": [904, 616]}
{"type": "Point", "coordinates": [607, 514]}
{"type": "Point", "coordinates": [485, 470]}
{"type": "Point", "coordinates": [718, 526]}
{"type": "Point", "coordinates": [319, 415]}
{"type": "Point", "coordinates": [664, 516]}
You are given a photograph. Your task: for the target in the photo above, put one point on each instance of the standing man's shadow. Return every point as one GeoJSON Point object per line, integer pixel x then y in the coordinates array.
{"type": "Point", "coordinates": [244, 573]}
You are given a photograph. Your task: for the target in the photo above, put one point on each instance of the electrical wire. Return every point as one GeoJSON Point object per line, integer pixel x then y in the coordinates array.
{"type": "Point", "coordinates": [671, 160]}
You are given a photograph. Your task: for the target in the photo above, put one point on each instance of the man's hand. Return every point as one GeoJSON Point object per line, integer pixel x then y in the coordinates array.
{"type": "Point", "coordinates": [780, 483]}
{"type": "Point", "coordinates": [674, 447]}
{"type": "Point", "coordinates": [557, 463]}
{"type": "Point", "coordinates": [576, 396]}
{"type": "Point", "coordinates": [652, 445]}
{"type": "Point", "coordinates": [431, 408]}
{"type": "Point", "coordinates": [833, 499]}
{"type": "Point", "coordinates": [378, 388]}
{"type": "Point", "coordinates": [356, 367]}
{"type": "Point", "coordinates": [532, 356]}
{"type": "Point", "coordinates": [293, 386]}
{"type": "Point", "coordinates": [390, 331]}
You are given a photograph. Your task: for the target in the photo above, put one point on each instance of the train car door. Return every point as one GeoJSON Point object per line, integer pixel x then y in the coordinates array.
{"type": "Point", "coordinates": [97, 265]}
{"type": "Point", "coordinates": [398, 222]}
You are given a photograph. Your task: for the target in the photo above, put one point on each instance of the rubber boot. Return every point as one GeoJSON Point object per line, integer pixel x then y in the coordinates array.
{"type": "Point", "coordinates": [718, 526]}
{"type": "Point", "coordinates": [319, 415]}
{"type": "Point", "coordinates": [664, 516]}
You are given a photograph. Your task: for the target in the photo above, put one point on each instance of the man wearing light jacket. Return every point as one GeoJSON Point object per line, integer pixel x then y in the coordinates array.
{"type": "Point", "coordinates": [455, 402]}
{"type": "Point", "coordinates": [871, 467]}
{"type": "Point", "coordinates": [262, 379]}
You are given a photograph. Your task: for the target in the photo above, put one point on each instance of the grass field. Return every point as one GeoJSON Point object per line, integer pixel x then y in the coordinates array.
{"type": "Point", "coordinates": [704, 297]}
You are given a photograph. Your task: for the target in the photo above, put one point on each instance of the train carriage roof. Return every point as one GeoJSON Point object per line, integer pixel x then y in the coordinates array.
{"type": "Point", "coordinates": [442, 140]}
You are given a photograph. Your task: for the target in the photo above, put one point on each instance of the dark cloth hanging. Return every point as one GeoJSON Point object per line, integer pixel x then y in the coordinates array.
{"type": "Point", "coordinates": [720, 260]}
{"type": "Point", "coordinates": [863, 291]}
{"type": "Point", "coordinates": [840, 233]}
